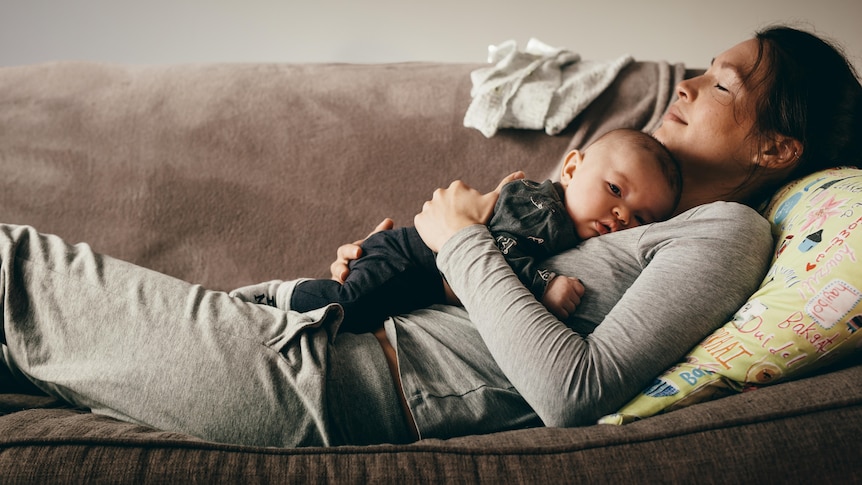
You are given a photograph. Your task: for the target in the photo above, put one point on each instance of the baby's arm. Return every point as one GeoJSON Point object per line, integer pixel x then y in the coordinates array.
{"type": "Point", "coordinates": [563, 295]}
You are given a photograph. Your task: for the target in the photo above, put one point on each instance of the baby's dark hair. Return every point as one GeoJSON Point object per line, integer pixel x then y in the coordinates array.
{"type": "Point", "coordinates": [666, 162]}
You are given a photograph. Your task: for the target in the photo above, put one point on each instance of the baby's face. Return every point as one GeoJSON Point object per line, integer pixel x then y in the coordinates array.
{"type": "Point", "coordinates": [615, 186]}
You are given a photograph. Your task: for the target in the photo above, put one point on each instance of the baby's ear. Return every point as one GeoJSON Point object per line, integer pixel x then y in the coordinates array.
{"type": "Point", "coordinates": [570, 163]}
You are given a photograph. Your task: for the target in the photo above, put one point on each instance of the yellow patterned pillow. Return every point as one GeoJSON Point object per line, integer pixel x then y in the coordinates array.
{"type": "Point", "coordinates": [805, 314]}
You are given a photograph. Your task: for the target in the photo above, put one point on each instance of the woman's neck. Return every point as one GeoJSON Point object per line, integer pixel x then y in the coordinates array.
{"type": "Point", "coordinates": [701, 190]}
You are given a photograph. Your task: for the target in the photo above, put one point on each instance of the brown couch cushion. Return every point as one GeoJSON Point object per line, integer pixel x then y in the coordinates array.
{"type": "Point", "coordinates": [775, 434]}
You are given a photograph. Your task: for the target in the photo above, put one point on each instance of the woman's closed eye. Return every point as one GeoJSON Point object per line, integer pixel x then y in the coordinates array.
{"type": "Point", "coordinates": [724, 93]}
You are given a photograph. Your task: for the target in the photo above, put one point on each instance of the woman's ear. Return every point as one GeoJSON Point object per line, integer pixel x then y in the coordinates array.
{"type": "Point", "coordinates": [570, 163]}
{"type": "Point", "coordinates": [780, 152]}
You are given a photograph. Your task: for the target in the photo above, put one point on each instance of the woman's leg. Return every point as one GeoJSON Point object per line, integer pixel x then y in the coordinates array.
{"type": "Point", "coordinates": [144, 347]}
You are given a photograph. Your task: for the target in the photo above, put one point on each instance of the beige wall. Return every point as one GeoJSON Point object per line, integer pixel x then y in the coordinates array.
{"type": "Point", "coordinates": [159, 31]}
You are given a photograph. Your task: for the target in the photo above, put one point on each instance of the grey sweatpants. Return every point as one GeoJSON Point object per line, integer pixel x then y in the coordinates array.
{"type": "Point", "coordinates": [147, 348]}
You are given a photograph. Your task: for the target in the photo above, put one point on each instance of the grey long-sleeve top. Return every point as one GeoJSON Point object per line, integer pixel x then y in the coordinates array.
{"type": "Point", "coordinates": [652, 293]}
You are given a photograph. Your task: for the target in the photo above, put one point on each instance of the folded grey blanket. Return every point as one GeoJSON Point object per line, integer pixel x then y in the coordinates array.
{"type": "Point", "coordinates": [538, 87]}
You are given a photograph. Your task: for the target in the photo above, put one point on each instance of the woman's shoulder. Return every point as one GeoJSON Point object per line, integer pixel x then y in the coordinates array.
{"type": "Point", "coordinates": [729, 215]}
{"type": "Point", "coordinates": [730, 222]}
{"type": "Point", "coordinates": [722, 210]}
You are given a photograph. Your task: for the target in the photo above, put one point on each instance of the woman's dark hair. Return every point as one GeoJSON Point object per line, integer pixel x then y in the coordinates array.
{"type": "Point", "coordinates": [811, 93]}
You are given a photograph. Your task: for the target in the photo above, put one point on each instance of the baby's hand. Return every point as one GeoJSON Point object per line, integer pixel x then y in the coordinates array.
{"type": "Point", "coordinates": [563, 295]}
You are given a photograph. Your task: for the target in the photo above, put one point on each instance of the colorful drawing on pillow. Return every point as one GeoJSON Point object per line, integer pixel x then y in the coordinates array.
{"type": "Point", "coordinates": [786, 207]}
{"type": "Point", "coordinates": [784, 244]}
{"type": "Point", "coordinates": [661, 388]}
{"type": "Point", "coordinates": [811, 240]}
{"type": "Point", "coordinates": [805, 315]}
{"type": "Point", "coordinates": [751, 310]}
{"type": "Point", "coordinates": [762, 372]}
{"type": "Point", "coordinates": [818, 216]}
{"type": "Point", "coordinates": [833, 303]}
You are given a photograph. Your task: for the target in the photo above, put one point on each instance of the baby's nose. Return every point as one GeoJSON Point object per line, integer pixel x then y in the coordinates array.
{"type": "Point", "coordinates": [622, 216]}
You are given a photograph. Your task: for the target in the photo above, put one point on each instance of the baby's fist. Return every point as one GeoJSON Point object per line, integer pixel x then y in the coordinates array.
{"type": "Point", "coordinates": [563, 295]}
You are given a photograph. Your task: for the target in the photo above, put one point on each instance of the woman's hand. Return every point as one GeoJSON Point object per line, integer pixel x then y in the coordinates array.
{"type": "Point", "coordinates": [454, 208]}
{"type": "Point", "coordinates": [348, 252]}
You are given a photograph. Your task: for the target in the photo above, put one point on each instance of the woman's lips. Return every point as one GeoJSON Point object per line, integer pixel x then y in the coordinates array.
{"type": "Point", "coordinates": [674, 115]}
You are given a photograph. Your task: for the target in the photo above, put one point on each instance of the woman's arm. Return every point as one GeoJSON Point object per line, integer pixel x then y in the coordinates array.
{"type": "Point", "coordinates": [656, 291]}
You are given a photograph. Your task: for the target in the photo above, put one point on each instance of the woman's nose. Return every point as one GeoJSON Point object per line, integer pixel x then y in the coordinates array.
{"type": "Point", "coordinates": [685, 89]}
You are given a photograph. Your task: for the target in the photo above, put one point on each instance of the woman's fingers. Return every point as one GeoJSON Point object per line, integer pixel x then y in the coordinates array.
{"type": "Point", "coordinates": [490, 199]}
{"type": "Point", "coordinates": [385, 225]}
{"type": "Point", "coordinates": [346, 253]}
{"type": "Point", "coordinates": [509, 178]}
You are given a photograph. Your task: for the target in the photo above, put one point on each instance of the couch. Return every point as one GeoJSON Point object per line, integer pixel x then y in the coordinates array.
{"type": "Point", "coordinates": [229, 174]}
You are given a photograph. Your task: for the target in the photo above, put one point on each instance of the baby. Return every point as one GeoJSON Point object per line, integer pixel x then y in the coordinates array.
{"type": "Point", "coordinates": [624, 179]}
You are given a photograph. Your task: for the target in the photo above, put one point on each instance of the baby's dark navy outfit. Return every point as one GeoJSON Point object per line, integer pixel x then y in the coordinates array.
{"type": "Point", "coordinates": [397, 273]}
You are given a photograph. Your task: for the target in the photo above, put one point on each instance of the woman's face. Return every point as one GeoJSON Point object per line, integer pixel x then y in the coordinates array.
{"type": "Point", "coordinates": [707, 128]}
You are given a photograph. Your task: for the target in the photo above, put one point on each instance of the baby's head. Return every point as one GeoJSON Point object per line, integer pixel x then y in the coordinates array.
{"type": "Point", "coordinates": [624, 179]}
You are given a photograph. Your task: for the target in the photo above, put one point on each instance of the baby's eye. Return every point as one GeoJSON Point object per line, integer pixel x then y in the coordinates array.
{"type": "Point", "coordinates": [614, 189]}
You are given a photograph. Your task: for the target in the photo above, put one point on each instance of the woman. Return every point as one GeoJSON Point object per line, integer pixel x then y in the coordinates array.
{"type": "Point", "coordinates": [104, 334]}
{"type": "Point", "coordinates": [740, 131]}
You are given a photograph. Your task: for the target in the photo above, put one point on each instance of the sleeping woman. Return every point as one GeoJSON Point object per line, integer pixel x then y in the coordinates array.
{"type": "Point", "coordinates": [144, 347]}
